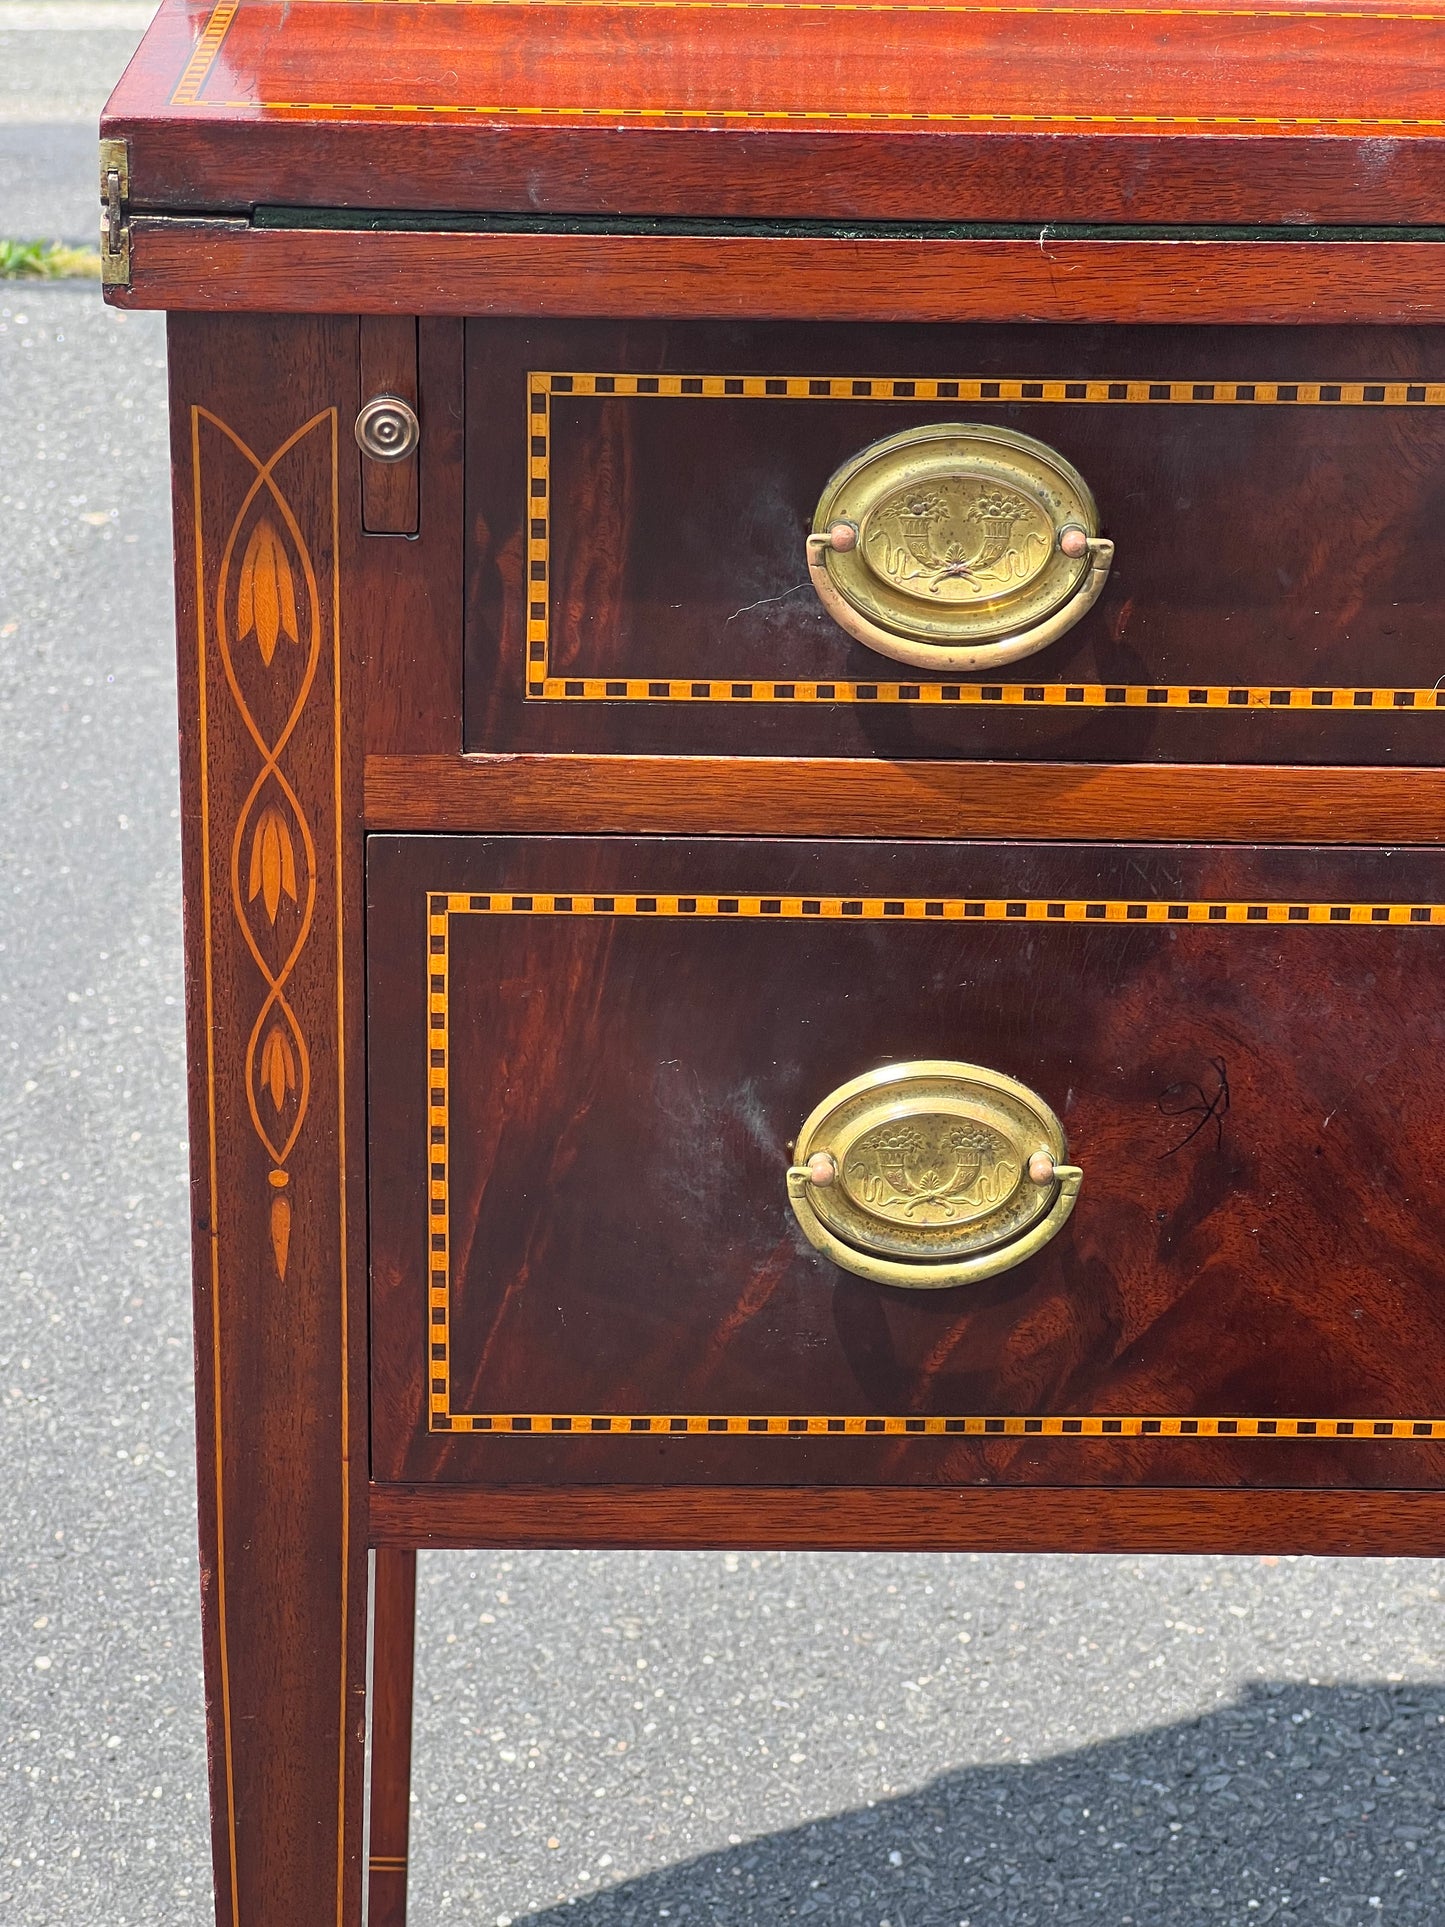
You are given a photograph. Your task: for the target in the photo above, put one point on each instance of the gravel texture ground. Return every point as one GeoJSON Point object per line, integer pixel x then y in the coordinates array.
{"type": "Point", "coordinates": [606, 1739]}
{"type": "Point", "coordinates": [929, 1741]}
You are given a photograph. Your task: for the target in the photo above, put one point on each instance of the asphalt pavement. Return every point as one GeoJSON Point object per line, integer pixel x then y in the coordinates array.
{"type": "Point", "coordinates": [58, 62]}
{"type": "Point", "coordinates": [732, 1739]}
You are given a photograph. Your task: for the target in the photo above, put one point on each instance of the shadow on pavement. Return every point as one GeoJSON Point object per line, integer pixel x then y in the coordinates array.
{"type": "Point", "coordinates": [1320, 1806]}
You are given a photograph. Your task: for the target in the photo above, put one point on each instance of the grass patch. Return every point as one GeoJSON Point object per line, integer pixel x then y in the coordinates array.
{"type": "Point", "coordinates": [47, 261]}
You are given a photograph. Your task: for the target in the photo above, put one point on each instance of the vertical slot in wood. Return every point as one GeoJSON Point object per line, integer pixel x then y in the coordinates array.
{"type": "Point", "coordinates": [390, 491]}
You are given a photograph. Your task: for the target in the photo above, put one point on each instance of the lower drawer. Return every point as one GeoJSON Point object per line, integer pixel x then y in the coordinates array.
{"type": "Point", "coordinates": [591, 1060]}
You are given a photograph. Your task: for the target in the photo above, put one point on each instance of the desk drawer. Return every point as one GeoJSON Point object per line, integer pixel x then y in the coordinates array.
{"type": "Point", "coordinates": [641, 498]}
{"type": "Point", "coordinates": [590, 1062]}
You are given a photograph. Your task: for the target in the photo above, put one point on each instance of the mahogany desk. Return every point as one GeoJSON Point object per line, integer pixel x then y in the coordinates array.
{"type": "Point", "coordinates": [811, 688]}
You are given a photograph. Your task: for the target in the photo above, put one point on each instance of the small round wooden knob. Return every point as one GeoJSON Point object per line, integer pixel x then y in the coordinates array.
{"type": "Point", "coordinates": [1041, 1167]}
{"type": "Point", "coordinates": [1073, 541]}
{"type": "Point", "coordinates": [842, 537]}
{"type": "Point", "coordinates": [822, 1170]}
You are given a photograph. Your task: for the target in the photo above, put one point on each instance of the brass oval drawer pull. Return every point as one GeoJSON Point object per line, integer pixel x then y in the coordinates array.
{"type": "Point", "coordinates": [931, 1174]}
{"type": "Point", "coordinates": [957, 546]}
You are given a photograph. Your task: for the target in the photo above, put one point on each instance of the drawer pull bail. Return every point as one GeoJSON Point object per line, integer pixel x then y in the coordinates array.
{"type": "Point", "coordinates": [931, 1174]}
{"type": "Point", "coordinates": [957, 546]}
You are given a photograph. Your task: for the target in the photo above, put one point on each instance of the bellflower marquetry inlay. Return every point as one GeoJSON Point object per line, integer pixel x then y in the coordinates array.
{"type": "Point", "coordinates": [270, 627]}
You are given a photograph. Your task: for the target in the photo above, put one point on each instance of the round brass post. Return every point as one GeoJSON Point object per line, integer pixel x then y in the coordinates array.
{"type": "Point", "coordinates": [387, 429]}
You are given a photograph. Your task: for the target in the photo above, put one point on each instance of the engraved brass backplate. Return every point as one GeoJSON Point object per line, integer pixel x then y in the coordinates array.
{"type": "Point", "coordinates": [931, 1173]}
{"type": "Point", "coordinates": [957, 535]}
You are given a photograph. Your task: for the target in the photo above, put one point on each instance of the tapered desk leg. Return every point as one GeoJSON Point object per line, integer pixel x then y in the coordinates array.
{"type": "Point", "coordinates": [265, 501]}
{"type": "Point", "coordinates": [393, 1637]}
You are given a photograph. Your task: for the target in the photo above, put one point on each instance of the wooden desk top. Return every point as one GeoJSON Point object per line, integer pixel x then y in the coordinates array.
{"type": "Point", "coordinates": [1287, 114]}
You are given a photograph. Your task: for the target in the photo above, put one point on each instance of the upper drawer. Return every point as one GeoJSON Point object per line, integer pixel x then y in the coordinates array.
{"type": "Point", "coordinates": [640, 499]}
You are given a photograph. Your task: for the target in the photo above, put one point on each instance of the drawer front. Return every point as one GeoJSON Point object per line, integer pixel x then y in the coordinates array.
{"type": "Point", "coordinates": [591, 1063]}
{"type": "Point", "coordinates": [641, 496]}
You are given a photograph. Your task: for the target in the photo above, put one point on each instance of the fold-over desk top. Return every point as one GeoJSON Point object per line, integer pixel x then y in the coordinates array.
{"type": "Point", "coordinates": [778, 109]}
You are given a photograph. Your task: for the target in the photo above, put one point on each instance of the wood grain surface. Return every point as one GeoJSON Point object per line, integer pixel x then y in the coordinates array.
{"type": "Point", "coordinates": [1404, 1525]}
{"type": "Point", "coordinates": [266, 511]}
{"type": "Point", "coordinates": [393, 1660]}
{"type": "Point", "coordinates": [834, 796]}
{"type": "Point", "coordinates": [404, 598]}
{"type": "Point", "coordinates": [1291, 113]}
{"type": "Point", "coordinates": [208, 265]}
{"type": "Point", "coordinates": [620, 1082]}
{"type": "Point", "coordinates": [390, 491]}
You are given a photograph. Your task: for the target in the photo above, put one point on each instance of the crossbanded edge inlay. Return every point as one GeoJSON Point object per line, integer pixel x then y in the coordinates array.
{"type": "Point", "coordinates": [442, 906]}
{"type": "Point", "coordinates": [687, 111]}
{"type": "Point", "coordinates": [542, 684]}
{"type": "Point", "coordinates": [1094, 1425]}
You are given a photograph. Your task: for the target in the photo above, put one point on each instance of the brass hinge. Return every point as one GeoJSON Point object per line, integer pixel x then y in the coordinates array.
{"type": "Point", "coordinates": [114, 216]}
